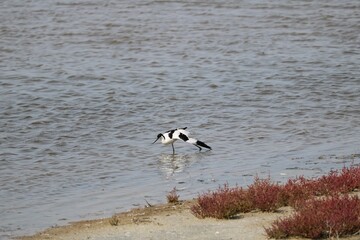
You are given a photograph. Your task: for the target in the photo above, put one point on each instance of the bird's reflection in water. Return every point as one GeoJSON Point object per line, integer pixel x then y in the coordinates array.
{"type": "Point", "coordinates": [170, 164]}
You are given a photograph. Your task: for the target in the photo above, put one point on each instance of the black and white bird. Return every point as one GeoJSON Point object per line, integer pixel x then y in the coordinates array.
{"type": "Point", "coordinates": [169, 137]}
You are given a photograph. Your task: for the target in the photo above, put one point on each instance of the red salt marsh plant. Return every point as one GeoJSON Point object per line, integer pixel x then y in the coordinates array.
{"type": "Point", "coordinates": [301, 188]}
{"type": "Point", "coordinates": [268, 196]}
{"type": "Point", "coordinates": [226, 202]}
{"type": "Point", "coordinates": [222, 203]}
{"type": "Point", "coordinates": [264, 195]}
{"type": "Point", "coordinates": [296, 190]}
{"type": "Point", "coordinates": [346, 180]}
{"type": "Point", "coordinates": [332, 216]}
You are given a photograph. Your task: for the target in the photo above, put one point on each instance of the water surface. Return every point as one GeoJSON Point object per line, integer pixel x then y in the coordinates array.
{"type": "Point", "coordinates": [85, 87]}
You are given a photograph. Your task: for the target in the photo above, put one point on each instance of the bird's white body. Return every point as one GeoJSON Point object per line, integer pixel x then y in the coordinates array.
{"type": "Point", "coordinates": [169, 137]}
{"type": "Point", "coordinates": [175, 136]}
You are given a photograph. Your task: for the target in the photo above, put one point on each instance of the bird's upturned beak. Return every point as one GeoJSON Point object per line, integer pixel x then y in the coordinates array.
{"type": "Point", "coordinates": [156, 140]}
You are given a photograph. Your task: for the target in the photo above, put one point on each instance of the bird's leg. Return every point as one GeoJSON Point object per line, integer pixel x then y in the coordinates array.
{"type": "Point", "coordinates": [199, 148]}
{"type": "Point", "coordinates": [173, 148]}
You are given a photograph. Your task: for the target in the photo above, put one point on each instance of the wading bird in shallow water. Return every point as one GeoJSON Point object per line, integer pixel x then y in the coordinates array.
{"type": "Point", "coordinates": [169, 137]}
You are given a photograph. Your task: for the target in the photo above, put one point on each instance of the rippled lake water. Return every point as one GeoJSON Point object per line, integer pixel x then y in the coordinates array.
{"type": "Point", "coordinates": [86, 85]}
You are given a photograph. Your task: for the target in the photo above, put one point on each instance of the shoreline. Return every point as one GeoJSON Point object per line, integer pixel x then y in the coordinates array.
{"type": "Point", "coordinates": [165, 221]}
{"type": "Point", "coordinates": [168, 221]}
{"type": "Point", "coordinates": [176, 220]}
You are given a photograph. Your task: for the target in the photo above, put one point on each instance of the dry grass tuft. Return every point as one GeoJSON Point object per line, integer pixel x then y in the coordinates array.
{"type": "Point", "coordinates": [173, 197]}
{"type": "Point", "coordinates": [114, 220]}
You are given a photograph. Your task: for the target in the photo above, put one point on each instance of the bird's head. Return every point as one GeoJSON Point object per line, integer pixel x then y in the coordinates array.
{"type": "Point", "coordinates": [158, 136]}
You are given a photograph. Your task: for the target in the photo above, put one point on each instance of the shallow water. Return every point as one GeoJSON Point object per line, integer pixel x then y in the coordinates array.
{"type": "Point", "coordinates": [85, 87]}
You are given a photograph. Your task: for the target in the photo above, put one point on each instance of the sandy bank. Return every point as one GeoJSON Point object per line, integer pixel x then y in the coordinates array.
{"type": "Point", "coordinates": [165, 222]}
{"type": "Point", "coordinates": [168, 221]}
